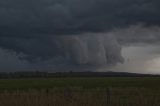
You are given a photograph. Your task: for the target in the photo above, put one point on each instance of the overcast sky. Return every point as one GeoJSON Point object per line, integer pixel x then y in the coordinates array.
{"type": "Point", "coordinates": [122, 35]}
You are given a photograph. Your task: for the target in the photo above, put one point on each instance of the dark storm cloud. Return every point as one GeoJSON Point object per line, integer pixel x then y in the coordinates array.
{"type": "Point", "coordinates": [74, 16]}
{"type": "Point", "coordinates": [38, 28]}
{"type": "Point", "coordinates": [135, 34]}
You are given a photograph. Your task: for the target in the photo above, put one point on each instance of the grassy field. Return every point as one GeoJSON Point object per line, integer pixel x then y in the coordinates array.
{"type": "Point", "coordinates": [111, 91]}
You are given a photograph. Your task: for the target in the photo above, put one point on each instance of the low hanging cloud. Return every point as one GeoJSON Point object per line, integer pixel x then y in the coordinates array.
{"type": "Point", "coordinates": [79, 32]}
{"type": "Point", "coordinates": [91, 49]}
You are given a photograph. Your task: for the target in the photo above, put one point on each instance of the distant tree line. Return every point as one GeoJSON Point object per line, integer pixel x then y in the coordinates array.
{"type": "Point", "coordinates": [38, 74]}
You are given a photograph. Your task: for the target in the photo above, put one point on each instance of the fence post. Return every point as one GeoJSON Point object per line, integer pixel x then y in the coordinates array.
{"type": "Point", "coordinates": [108, 94]}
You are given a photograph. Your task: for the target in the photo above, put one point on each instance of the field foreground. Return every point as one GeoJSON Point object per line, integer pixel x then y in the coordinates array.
{"type": "Point", "coordinates": [113, 91]}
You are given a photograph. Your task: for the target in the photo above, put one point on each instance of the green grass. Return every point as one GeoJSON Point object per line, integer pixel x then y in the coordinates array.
{"type": "Point", "coordinates": [110, 91]}
{"type": "Point", "coordinates": [125, 82]}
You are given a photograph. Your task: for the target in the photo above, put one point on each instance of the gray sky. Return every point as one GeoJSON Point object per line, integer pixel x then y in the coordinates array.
{"type": "Point", "coordinates": [80, 35]}
{"type": "Point", "coordinates": [140, 59]}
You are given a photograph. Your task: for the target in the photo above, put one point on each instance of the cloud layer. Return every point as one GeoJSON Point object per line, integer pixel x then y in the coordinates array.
{"type": "Point", "coordinates": [77, 30]}
{"type": "Point", "coordinates": [57, 17]}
